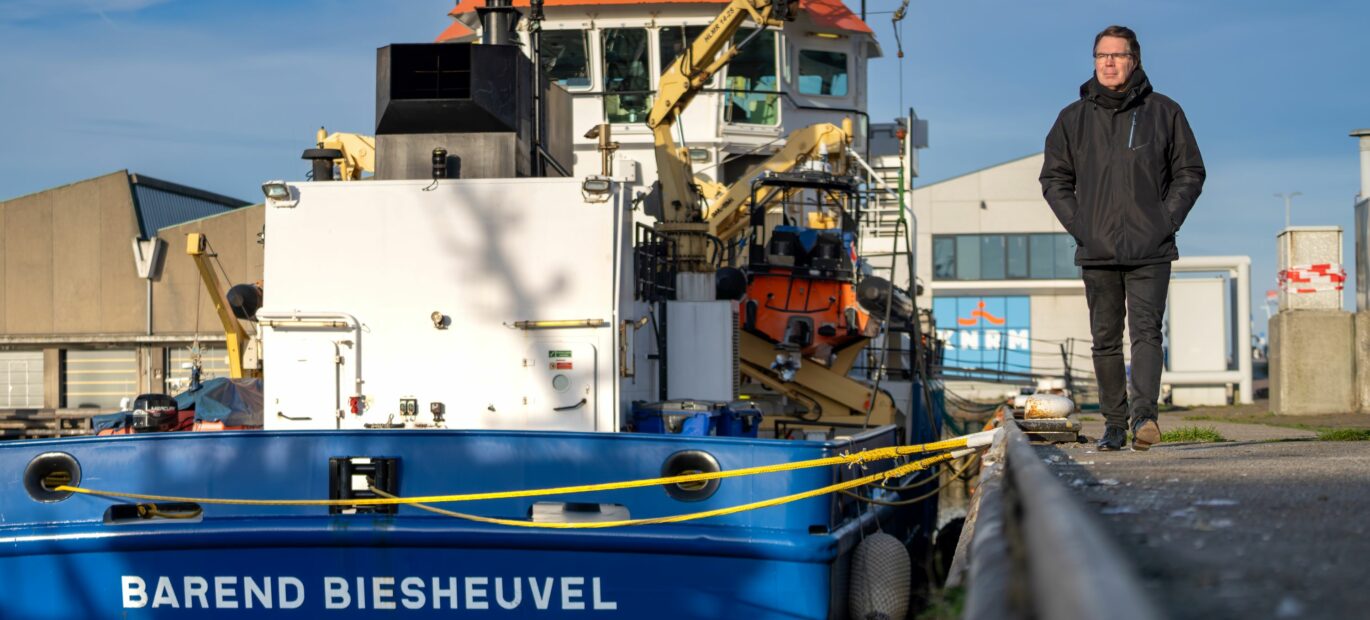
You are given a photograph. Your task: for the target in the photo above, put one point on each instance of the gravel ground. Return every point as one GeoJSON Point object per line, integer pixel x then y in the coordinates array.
{"type": "Point", "coordinates": [1268, 525]}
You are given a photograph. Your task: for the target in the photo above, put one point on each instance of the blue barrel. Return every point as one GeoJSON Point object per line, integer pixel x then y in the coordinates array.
{"type": "Point", "coordinates": [676, 417]}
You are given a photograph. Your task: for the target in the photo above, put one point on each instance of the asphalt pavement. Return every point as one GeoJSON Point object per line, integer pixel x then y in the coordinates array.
{"type": "Point", "coordinates": [1271, 524]}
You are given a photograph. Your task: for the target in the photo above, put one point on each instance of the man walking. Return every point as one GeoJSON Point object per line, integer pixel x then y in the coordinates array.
{"type": "Point", "coordinates": [1122, 171]}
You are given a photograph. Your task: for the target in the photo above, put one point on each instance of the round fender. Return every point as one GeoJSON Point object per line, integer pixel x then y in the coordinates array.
{"type": "Point", "coordinates": [880, 579]}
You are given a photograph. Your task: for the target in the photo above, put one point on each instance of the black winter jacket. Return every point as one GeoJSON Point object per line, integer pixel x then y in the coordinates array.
{"type": "Point", "coordinates": [1122, 180]}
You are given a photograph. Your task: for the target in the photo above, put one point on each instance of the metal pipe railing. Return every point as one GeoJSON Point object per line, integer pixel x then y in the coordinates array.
{"type": "Point", "coordinates": [1033, 550]}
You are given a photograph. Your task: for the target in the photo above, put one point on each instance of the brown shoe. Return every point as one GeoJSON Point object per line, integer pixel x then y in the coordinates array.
{"type": "Point", "coordinates": [1145, 433]}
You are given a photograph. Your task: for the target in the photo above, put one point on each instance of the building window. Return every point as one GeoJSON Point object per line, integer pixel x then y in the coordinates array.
{"type": "Point", "coordinates": [944, 258]}
{"type": "Point", "coordinates": [1065, 257]}
{"type": "Point", "coordinates": [822, 73]}
{"type": "Point", "coordinates": [967, 257]}
{"type": "Point", "coordinates": [1042, 256]}
{"type": "Point", "coordinates": [1004, 257]}
{"type": "Point", "coordinates": [992, 257]}
{"type": "Point", "coordinates": [627, 82]}
{"type": "Point", "coordinates": [564, 57]}
{"type": "Point", "coordinates": [1017, 249]}
{"type": "Point", "coordinates": [753, 84]}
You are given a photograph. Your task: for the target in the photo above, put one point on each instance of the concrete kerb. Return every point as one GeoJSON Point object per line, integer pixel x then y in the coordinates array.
{"type": "Point", "coordinates": [1033, 551]}
{"type": "Point", "coordinates": [982, 556]}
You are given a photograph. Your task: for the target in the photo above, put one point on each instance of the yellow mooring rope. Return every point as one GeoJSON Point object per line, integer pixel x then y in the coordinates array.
{"type": "Point", "coordinates": [960, 446]}
{"type": "Point", "coordinates": [898, 471]}
{"type": "Point", "coordinates": [865, 456]}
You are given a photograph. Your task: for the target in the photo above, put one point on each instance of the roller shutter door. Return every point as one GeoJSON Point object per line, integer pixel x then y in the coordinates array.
{"type": "Point", "coordinates": [21, 379]}
{"type": "Point", "coordinates": [213, 363]}
{"type": "Point", "coordinates": [100, 378]}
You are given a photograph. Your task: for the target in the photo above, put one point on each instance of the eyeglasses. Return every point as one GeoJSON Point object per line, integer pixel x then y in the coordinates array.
{"type": "Point", "coordinates": [1100, 56]}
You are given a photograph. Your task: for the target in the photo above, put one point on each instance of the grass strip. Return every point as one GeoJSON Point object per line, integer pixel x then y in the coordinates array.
{"type": "Point", "coordinates": [1344, 434]}
{"type": "Point", "coordinates": [1192, 434]}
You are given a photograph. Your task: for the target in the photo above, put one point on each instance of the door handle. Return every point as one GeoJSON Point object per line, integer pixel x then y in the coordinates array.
{"type": "Point", "coordinates": [570, 407]}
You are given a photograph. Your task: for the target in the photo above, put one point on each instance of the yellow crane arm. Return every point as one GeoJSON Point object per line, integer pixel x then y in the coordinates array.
{"type": "Point", "coordinates": [727, 215]}
{"type": "Point", "coordinates": [827, 391]}
{"type": "Point", "coordinates": [234, 335]}
{"type": "Point", "coordinates": [359, 153]}
{"type": "Point", "coordinates": [683, 80]}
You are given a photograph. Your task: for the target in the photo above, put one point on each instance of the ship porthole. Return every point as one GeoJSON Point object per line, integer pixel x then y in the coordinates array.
{"type": "Point", "coordinates": [48, 471]}
{"type": "Point", "coordinates": [688, 462]}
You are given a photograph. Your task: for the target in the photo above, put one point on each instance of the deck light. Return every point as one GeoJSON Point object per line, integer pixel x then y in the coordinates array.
{"type": "Point", "coordinates": [596, 188]}
{"type": "Point", "coordinates": [276, 190]}
{"type": "Point", "coordinates": [278, 194]}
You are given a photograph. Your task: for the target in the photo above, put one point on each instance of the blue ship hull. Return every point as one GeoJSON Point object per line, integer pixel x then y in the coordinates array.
{"type": "Point", "coordinates": [64, 560]}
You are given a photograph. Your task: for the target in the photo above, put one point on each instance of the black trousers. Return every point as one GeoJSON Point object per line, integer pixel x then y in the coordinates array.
{"type": "Point", "coordinates": [1137, 293]}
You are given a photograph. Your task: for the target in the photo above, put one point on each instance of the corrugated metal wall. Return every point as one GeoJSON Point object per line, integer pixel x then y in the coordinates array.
{"type": "Point", "coordinates": [158, 208]}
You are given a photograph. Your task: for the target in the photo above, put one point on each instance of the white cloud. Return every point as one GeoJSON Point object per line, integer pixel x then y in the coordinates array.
{"type": "Point", "coordinates": [28, 10]}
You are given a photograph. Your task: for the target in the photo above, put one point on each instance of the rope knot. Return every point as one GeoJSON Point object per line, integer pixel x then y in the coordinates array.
{"type": "Point", "coordinates": [855, 460]}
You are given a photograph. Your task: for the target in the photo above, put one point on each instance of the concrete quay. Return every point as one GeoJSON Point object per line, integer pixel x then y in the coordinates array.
{"type": "Point", "coordinates": [1270, 524]}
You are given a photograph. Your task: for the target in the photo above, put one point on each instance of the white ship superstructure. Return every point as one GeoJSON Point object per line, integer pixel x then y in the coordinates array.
{"type": "Point", "coordinates": [609, 55]}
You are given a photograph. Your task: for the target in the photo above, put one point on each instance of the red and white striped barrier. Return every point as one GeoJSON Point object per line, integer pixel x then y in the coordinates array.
{"type": "Point", "coordinates": [1313, 278]}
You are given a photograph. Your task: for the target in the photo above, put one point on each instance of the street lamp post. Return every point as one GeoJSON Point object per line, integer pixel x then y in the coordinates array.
{"type": "Point", "coordinates": [1287, 198]}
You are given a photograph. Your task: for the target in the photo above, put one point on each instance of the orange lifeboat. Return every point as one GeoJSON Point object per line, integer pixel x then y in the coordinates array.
{"type": "Point", "coordinates": [801, 293]}
{"type": "Point", "coordinates": [801, 280]}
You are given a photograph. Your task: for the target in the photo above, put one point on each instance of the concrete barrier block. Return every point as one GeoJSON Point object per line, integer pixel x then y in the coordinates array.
{"type": "Point", "coordinates": [1313, 362]}
{"type": "Point", "coordinates": [1363, 359]}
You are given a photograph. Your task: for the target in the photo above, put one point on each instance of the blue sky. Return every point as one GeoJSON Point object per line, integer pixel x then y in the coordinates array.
{"type": "Point", "coordinates": [224, 94]}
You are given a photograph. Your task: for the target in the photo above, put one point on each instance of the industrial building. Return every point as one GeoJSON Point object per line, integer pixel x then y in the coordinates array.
{"type": "Point", "coordinates": [998, 272]}
{"type": "Point", "coordinates": [98, 300]}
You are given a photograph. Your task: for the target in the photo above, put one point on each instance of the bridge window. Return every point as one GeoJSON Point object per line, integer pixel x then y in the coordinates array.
{"type": "Point", "coordinates": [627, 78]}
{"type": "Point", "coordinates": [1003, 257]}
{"type": "Point", "coordinates": [564, 57]}
{"type": "Point", "coordinates": [672, 41]}
{"type": "Point", "coordinates": [822, 73]}
{"type": "Point", "coordinates": [753, 82]}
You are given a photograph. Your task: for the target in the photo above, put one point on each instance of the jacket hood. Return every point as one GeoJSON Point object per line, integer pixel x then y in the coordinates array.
{"type": "Point", "coordinates": [1137, 87]}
